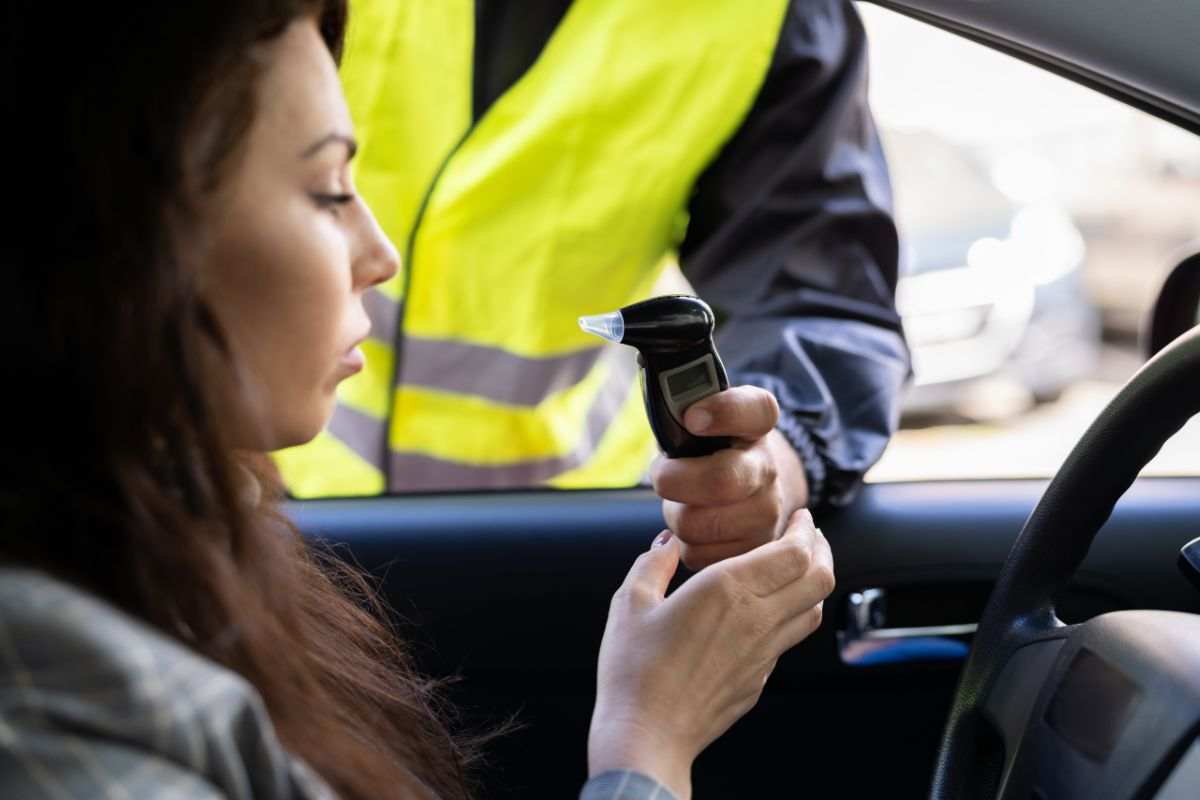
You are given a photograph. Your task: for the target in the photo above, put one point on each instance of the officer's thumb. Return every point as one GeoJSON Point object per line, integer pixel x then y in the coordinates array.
{"type": "Point", "coordinates": [652, 572]}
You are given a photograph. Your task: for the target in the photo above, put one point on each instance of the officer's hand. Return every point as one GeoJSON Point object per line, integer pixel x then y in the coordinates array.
{"type": "Point", "coordinates": [739, 498]}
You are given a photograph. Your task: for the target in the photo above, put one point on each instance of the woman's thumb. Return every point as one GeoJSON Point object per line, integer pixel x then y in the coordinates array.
{"type": "Point", "coordinates": [652, 572]}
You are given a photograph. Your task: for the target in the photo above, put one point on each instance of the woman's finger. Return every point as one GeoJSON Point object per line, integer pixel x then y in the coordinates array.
{"type": "Point", "coordinates": [778, 564]}
{"type": "Point", "coordinates": [797, 629]}
{"type": "Point", "coordinates": [648, 579]}
{"type": "Point", "coordinates": [812, 587]}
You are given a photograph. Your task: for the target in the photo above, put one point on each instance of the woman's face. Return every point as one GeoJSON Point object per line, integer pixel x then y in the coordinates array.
{"type": "Point", "coordinates": [292, 251]}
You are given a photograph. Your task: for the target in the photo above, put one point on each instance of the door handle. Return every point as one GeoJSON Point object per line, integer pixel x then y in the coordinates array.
{"type": "Point", "coordinates": [866, 640]}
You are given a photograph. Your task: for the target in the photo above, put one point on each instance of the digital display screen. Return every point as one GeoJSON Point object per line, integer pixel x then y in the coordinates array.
{"type": "Point", "coordinates": [691, 378]}
{"type": "Point", "coordinates": [1092, 705]}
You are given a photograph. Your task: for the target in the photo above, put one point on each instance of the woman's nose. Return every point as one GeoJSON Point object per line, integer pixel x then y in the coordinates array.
{"type": "Point", "coordinates": [378, 258]}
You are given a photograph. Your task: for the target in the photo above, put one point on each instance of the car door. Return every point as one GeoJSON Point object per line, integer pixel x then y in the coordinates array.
{"type": "Point", "coordinates": [507, 592]}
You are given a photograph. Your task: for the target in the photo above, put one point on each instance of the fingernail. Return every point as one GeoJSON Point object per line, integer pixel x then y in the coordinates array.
{"type": "Point", "coordinates": [699, 419]}
{"type": "Point", "coordinates": [661, 539]}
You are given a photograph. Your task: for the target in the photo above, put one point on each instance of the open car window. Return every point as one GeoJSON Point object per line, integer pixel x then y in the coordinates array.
{"type": "Point", "coordinates": [1039, 219]}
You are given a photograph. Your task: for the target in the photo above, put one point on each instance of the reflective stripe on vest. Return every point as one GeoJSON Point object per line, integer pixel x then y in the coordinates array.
{"type": "Point", "coordinates": [566, 198]}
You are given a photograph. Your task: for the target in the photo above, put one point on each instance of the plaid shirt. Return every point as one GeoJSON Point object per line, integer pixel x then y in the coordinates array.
{"type": "Point", "coordinates": [94, 703]}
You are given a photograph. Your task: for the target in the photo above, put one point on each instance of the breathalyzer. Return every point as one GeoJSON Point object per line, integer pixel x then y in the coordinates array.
{"type": "Point", "coordinates": [680, 365]}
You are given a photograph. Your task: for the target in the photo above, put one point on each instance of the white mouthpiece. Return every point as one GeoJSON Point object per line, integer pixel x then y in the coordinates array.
{"type": "Point", "coordinates": [609, 326]}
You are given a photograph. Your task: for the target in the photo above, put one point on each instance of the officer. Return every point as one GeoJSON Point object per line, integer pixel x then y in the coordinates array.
{"type": "Point", "coordinates": [537, 160]}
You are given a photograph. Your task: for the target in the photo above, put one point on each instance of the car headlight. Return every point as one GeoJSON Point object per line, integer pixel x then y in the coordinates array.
{"type": "Point", "coordinates": [1043, 246]}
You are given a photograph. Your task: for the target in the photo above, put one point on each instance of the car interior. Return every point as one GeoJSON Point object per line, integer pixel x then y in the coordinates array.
{"type": "Point", "coordinates": [988, 638]}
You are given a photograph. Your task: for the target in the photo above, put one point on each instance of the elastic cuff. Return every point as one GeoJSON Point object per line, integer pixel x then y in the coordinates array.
{"type": "Point", "coordinates": [624, 784]}
{"type": "Point", "coordinates": [815, 470]}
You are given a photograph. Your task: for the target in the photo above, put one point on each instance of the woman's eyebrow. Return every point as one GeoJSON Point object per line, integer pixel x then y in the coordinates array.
{"type": "Point", "coordinates": [328, 139]}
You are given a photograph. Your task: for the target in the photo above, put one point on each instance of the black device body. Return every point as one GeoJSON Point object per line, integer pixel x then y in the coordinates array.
{"type": "Point", "coordinates": [680, 365]}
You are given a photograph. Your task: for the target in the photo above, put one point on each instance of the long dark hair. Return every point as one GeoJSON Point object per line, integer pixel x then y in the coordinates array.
{"type": "Point", "coordinates": [115, 472]}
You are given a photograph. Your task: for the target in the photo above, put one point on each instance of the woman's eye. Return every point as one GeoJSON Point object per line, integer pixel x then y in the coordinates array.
{"type": "Point", "coordinates": [332, 201]}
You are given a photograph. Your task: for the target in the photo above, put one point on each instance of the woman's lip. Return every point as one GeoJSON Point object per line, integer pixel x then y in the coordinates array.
{"type": "Point", "coordinates": [352, 361]}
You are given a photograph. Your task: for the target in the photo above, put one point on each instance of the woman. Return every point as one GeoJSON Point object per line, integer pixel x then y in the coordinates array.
{"type": "Point", "coordinates": [189, 260]}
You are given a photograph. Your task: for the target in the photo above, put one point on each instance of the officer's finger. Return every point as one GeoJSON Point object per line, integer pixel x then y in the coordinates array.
{"type": "Point", "coordinates": [725, 477]}
{"type": "Point", "coordinates": [746, 412]}
{"type": "Point", "coordinates": [757, 518]}
{"type": "Point", "coordinates": [697, 557]}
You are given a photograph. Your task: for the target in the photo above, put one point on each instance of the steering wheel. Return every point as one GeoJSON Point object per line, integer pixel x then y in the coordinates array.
{"type": "Point", "coordinates": [1103, 709]}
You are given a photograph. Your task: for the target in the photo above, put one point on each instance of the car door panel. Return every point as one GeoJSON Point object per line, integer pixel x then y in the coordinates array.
{"type": "Point", "coordinates": [510, 591]}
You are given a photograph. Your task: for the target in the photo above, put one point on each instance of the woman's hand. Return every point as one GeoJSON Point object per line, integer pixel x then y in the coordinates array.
{"type": "Point", "coordinates": [676, 672]}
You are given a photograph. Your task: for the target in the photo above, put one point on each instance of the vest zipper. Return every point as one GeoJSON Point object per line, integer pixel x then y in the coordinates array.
{"type": "Point", "coordinates": [409, 247]}
{"type": "Point", "coordinates": [398, 344]}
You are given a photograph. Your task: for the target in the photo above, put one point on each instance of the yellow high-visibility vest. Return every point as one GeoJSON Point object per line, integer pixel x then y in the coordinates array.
{"type": "Point", "coordinates": [567, 197]}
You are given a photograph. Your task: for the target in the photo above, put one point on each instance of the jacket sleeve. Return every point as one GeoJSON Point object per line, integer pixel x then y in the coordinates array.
{"type": "Point", "coordinates": [94, 703]}
{"type": "Point", "coordinates": [38, 764]}
{"type": "Point", "coordinates": [792, 241]}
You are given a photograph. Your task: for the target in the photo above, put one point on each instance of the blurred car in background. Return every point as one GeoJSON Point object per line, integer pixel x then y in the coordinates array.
{"type": "Point", "coordinates": [990, 293]}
